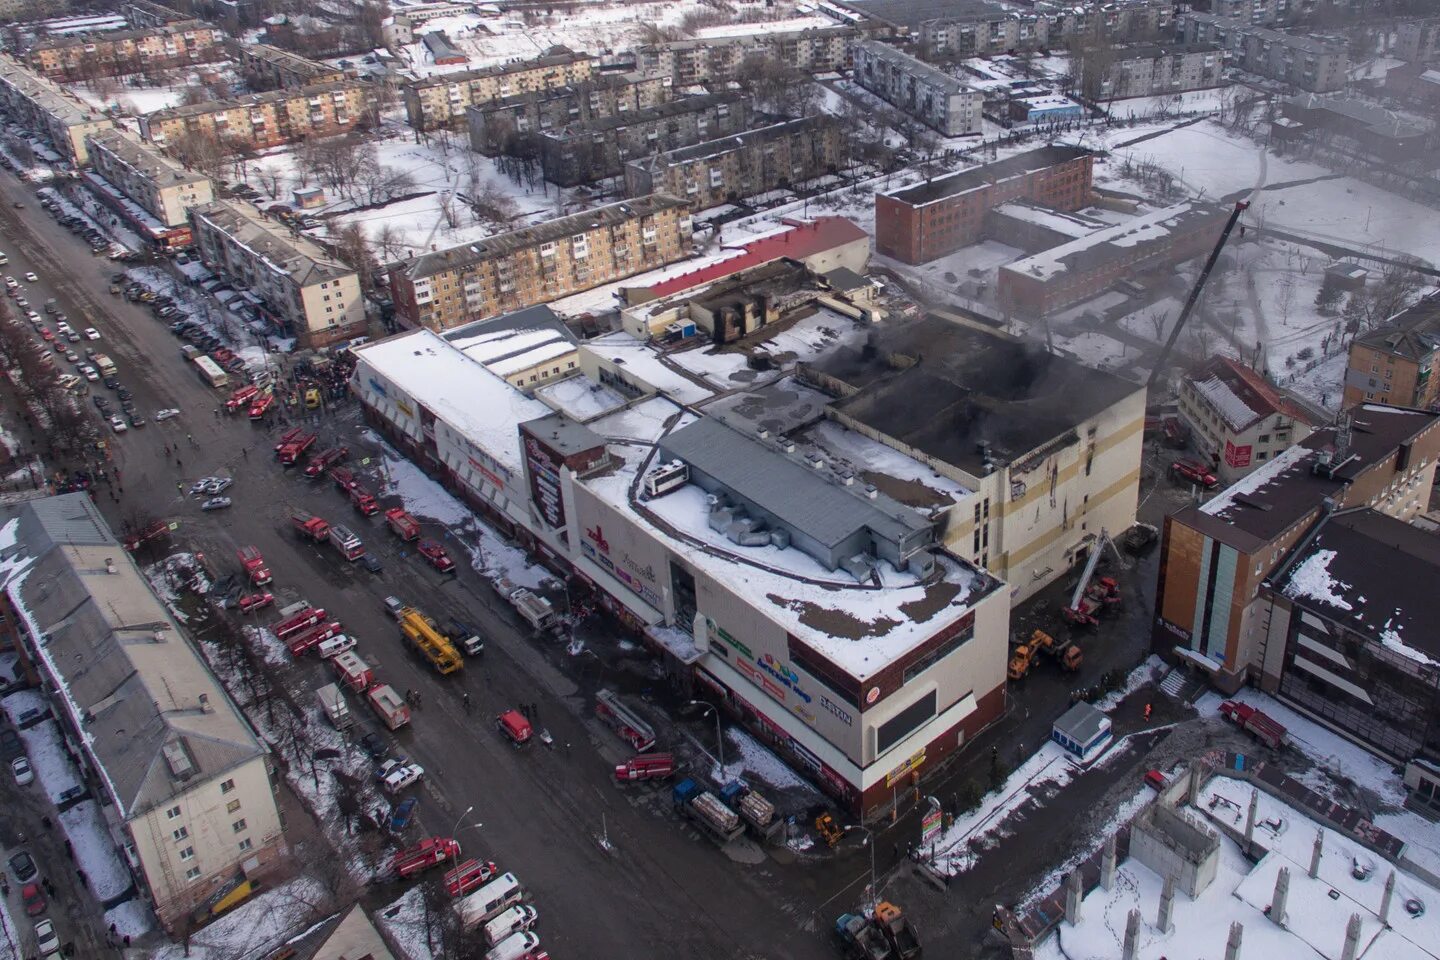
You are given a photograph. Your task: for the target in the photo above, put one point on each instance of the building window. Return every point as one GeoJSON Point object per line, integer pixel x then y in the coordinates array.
{"type": "Point", "coordinates": [1263, 438]}
{"type": "Point", "coordinates": [239, 826]}
{"type": "Point", "coordinates": [193, 873]}
{"type": "Point", "coordinates": [180, 833]}
{"type": "Point", "coordinates": [246, 844]}
{"type": "Point", "coordinates": [172, 813]}
{"type": "Point", "coordinates": [232, 806]}
{"type": "Point", "coordinates": [227, 786]}
{"type": "Point", "coordinates": [187, 854]}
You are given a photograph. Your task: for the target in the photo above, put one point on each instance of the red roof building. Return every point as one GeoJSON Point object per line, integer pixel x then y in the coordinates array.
{"type": "Point", "coordinates": [1239, 419]}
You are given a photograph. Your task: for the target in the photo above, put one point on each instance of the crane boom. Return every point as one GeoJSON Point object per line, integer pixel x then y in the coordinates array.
{"type": "Point", "coordinates": [1089, 570]}
{"type": "Point", "coordinates": [1240, 207]}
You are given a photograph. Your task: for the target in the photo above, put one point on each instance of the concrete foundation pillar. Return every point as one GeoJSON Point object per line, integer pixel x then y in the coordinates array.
{"type": "Point", "coordinates": [1250, 822]}
{"type": "Point", "coordinates": [1232, 943]}
{"type": "Point", "coordinates": [1352, 938]}
{"type": "Point", "coordinates": [1282, 892]}
{"type": "Point", "coordinates": [1196, 779]}
{"type": "Point", "coordinates": [1167, 906]}
{"type": "Point", "coordinates": [1385, 900]}
{"type": "Point", "coordinates": [1132, 934]}
{"type": "Point", "coordinates": [1073, 895]}
{"type": "Point", "coordinates": [1316, 853]}
{"type": "Point", "coordinates": [1107, 864]}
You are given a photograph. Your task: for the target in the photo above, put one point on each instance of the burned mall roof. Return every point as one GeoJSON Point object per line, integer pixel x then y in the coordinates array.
{"type": "Point", "coordinates": [964, 395]}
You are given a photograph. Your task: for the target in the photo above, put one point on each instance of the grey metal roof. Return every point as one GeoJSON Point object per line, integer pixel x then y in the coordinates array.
{"type": "Point", "coordinates": [1081, 722]}
{"type": "Point", "coordinates": [71, 519]}
{"type": "Point", "coordinates": [563, 434]}
{"type": "Point", "coordinates": [800, 496]}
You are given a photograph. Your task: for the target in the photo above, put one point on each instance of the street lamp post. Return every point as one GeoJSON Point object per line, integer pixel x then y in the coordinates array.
{"type": "Point", "coordinates": [719, 737]}
{"type": "Point", "coordinates": [870, 840]}
{"type": "Point", "coordinates": [456, 829]}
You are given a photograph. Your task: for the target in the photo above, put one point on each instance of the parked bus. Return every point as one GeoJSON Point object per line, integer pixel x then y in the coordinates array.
{"type": "Point", "coordinates": [210, 371]}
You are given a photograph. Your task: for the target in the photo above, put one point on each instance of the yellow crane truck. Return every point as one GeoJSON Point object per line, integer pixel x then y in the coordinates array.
{"type": "Point", "coordinates": [427, 640]}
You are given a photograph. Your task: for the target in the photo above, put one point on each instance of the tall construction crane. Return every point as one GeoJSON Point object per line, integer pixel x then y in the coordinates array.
{"type": "Point", "coordinates": [1240, 207]}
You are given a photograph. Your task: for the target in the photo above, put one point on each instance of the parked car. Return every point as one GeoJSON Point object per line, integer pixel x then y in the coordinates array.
{"type": "Point", "coordinates": [397, 774]}
{"type": "Point", "coordinates": [403, 814]}
{"type": "Point", "coordinates": [393, 606]}
{"type": "Point", "coordinates": [24, 868]}
{"type": "Point", "coordinates": [218, 485]}
{"type": "Point", "coordinates": [92, 334]}
{"type": "Point", "coordinates": [34, 900]}
{"type": "Point", "coordinates": [23, 774]}
{"type": "Point", "coordinates": [162, 415]}
{"type": "Point", "coordinates": [89, 372]}
{"type": "Point", "coordinates": [374, 745]}
{"type": "Point", "coordinates": [136, 421]}
{"type": "Point", "coordinates": [11, 745]}
{"type": "Point", "coordinates": [254, 601]}
{"type": "Point", "coordinates": [101, 403]}
{"type": "Point", "coordinates": [216, 503]}
{"type": "Point", "coordinates": [46, 939]}
{"type": "Point", "coordinates": [371, 562]}
{"type": "Point", "coordinates": [118, 424]}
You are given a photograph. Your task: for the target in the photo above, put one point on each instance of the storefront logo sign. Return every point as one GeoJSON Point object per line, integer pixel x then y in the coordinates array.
{"type": "Point", "coordinates": [781, 671]}
{"type": "Point", "coordinates": [839, 712]}
{"type": "Point", "coordinates": [913, 763]}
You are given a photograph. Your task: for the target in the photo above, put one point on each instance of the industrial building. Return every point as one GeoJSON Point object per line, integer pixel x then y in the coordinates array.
{"type": "Point", "coordinates": [511, 271]}
{"type": "Point", "coordinates": [1150, 70]}
{"type": "Point", "coordinates": [586, 151]}
{"type": "Point", "coordinates": [1315, 64]}
{"type": "Point", "coordinates": [441, 100]}
{"type": "Point", "coordinates": [47, 108]}
{"type": "Point", "coordinates": [131, 174]}
{"type": "Point", "coordinates": [929, 95]}
{"type": "Point", "coordinates": [1214, 556]}
{"type": "Point", "coordinates": [495, 127]}
{"type": "Point", "coordinates": [1079, 269]}
{"type": "Point", "coordinates": [442, 51]}
{"type": "Point", "coordinates": [1358, 126]}
{"type": "Point", "coordinates": [919, 223]}
{"type": "Point", "coordinates": [292, 281]}
{"type": "Point", "coordinates": [722, 59]}
{"type": "Point", "coordinates": [270, 68]}
{"type": "Point", "coordinates": [728, 169]}
{"type": "Point", "coordinates": [120, 52]}
{"type": "Point", "coordinates": [1395, 363]}
{"type": "Point", "coordinates": [264, 119]}
{"type": "Point", "coordinates": [182, 785]}
{"type": "Point", "coordinates": [1238, 420]}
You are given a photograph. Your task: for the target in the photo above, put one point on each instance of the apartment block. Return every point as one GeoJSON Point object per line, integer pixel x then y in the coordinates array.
{"type": "Point", "coordinates": [180, 785]}
{"type": "Point", "coordinates": [1215, 556]}
{"type": "Point", "coordinates": [1418, 40]}
{"type": "Point", "coordinates": [1315, 64]}
{"type": "Point", "coordinates": [722, 59]}
{"type": "Point", "coordinates": [584, 152]}
{"type": "Point", "coordinates": [494, 126]}
{"type": "Point", "coordinates": [983, 28]}
{"type": "Point", "coordinates": [272, 68]}
{"type": "Point", "coordinates": [265, 119]}
{"type": "Point", "coordinates": [120, 52]}
{"type": "Point", "coordinates": [538, 264]}
{"type": "Point", "coordinates": [163, 190]}
{"type": "Point", "coordinates": [1148, 70]}
{"type": "Point", "coordinates": [728, 169]}
{"type": "Point", "coordinates": [916, 224]}
{"type": "Point", "coordinates": [1395, 362]}
{"type": "Point", "coordinates": [441, 100]}
{"type": "Point", "coordinates": [302, 290]}
{"type": "Point", "coordinates": [929, 95]}
{"type": "Point", "coordinates": [147, 13]}
{"type": "Point", "coordinates": [1238, 420]}
{"type": "Point", "coordinates": [1079, 269]}
{"type": "Point", "coordinates": [1271, 12]}
{"type": "Point", "coordinates": [46, 107]}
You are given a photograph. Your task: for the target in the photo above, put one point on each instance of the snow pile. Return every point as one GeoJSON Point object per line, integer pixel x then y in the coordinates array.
{"type": "Point", "coordinates": [95, 850]}
{"type": "Point", "coordinates": [1390, 637]}
{"type": "Point", "coordinates": [49, 759]}
{"type": "Point", "coordinates": [1312, 579]}
{"type": "Point", "coordinates": [404, 920]}
{"type": "Point", "coordinates": [759, 762]}
{"type": "Point", "coordinates": [131, 918]}
{"type": "Point", "coordinates": [256, 927]}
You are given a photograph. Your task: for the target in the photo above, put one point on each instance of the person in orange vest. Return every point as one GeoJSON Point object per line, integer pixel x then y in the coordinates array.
{"type": "Point", "coordinates": [1147, 713]}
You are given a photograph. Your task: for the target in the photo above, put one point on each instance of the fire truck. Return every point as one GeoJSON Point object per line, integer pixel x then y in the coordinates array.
{"type": "Point", "coordinates": [363, 500]}
{"type": "Point", "coordinates": [290, 451]}
{"type": "Point", "coordinates": [242, 397]}
{"type": "Point", "coordinates": [624, 721]}
{"type": "Point", "coordinates": [430, 852]}
{"type": "Point", "coordinates": [287, 437]}
{"type": "Point", "coordinates": [405, 526]}
{"type": "Point", "coordinates": [324, 460]}
{"type": "Point", "coordinates": [300, 620]}
{"type": "Point", "coordinates": [305, 641]}
{"type": "Point", "coordinates": [261, 405]}
{"type": "Point", "coordinates": [352, 671]}
{"type": "Point", "coordinates": [436, 554]}
{"type": "Point", "coordinates": [310, 526]}
{"type": "Point", "coordinates": [468, 876]}
{"type": "Point", "coordinates": [343, 478]}
{"type": "Point", "coordinates": [254, 565]}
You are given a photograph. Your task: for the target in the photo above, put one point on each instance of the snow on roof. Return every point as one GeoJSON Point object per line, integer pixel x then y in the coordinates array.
{"type": "Point", "coordinates": [798, 240]}
{"type": "Point", "coordinates": [580, 398]}
{"type": "Point", "coordinates": [1223, 399]}
{"type": "Point", "coordinates": [640, 360]}
{"type": "Point", "coordinates": [1311, 578]}
{"type": "Point", "coordinates": [467, 394]}
{"type": "Point", "coordinates": [1252, 482]}
{"type": "Point", "coordinates": [1147, 228]}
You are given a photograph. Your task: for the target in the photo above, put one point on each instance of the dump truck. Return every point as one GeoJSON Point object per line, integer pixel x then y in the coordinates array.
{"type": "Point", "coordinates": [757, 812]}
{"type": "Point", "coordinates": [332, 701]}
{"type": "Point", "coordinates": [324, 460]}
{"type": "Point", "coordinates": [429, 852]}
{"type": "Point", "coordinates": [291, 451]}
{"type": "Point", "coordinates": [715, 820]}
{"type": "Point", "coordinates": [897, 930]}
{"type": "Point", "coordinates": [861, 939]}
{"type": "Point", "coordinates": [1257, 723]}
{"type": "Point", "coordinates": [624, 721]}
{"type": "Point", "coordinates": [254, 565]}
{"type": "Point", "coordinates": [427, 640]}
{"type": "Point", "coordinates": [310, 526]}
{"type": "Point", "coordinates": [388, 705]}
{"type": "Point", "coordinates": [406, 527]}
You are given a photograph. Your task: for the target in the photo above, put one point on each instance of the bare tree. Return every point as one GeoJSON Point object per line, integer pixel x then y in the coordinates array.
{"type": "Point", "coordinates": [353, 247]}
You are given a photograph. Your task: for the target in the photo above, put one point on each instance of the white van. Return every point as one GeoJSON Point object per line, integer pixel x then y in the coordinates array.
{"type": "Point", "coordinates": [512, 921]}
{"type": "Point", "coordinates": [484, 904]}
{"type": "Point", "coordinates": [335, 646]}
{"type": "Point", "coordinates": [513, 948]}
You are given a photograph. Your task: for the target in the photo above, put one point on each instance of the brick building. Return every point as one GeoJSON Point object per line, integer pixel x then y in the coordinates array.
{"type": "Point", "coordinates": [1316, 64]}
{"type": "Point", "coordinates": [584, 152]}
{"type": "Point", "coordinates": [270, 68]}
{"type": "Point", "coordinates": [1395, 363]}
{"type": "Point", "coordinates": [121, 52]}
{"type": "Point", "coordinates": [1238, 420]}
{"type": "Point", "coordinates": [1215, 556]}
{"type": "Point", "coordinates": [725, 170]}
{"type": "Point", "coordinates": [265, 119]}
{"type": "Point", "coordinates": [916, 224]}
{"type": "Point", "coordinates": [538, 264]}
{"type": "Point", "coordinates": [302, 290]}
{"type": "Point", "coordinates": [441, 100]}
{"type": "Point", "coordinates": [929, 95]}
{"type": "Point", "coordinates": [163, 189]}
{"type": "Point", "coordinates": [722, 59]}
{"type": "Point", "coordinates": [1149, 69]}
{"type": "Point", "coordinates": [494, 126]}
{"type": "Point", "coordinates": [47, 108]}
{"type": "Point", "coordinates": [1075, 271]}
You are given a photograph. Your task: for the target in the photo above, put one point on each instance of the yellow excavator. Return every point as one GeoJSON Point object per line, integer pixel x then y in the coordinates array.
{"type": "Point", "coordinates": [1067, 653]}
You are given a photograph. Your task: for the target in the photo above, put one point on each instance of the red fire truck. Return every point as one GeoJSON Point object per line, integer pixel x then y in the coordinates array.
{"type": "Point", "coordinates": [302, 643]}
{"type": "Point", "coordinates": [261, 405]}
{"type": "Point", "coordinates": [310, 526]}
{"type": "Point", "coordinates": [300, 620]}
{"type": "Point", "coordinates": [405, 526]}
{"type": "Point", "coordinates": [468, 876]}
{"type": "Point", "coordinates": [430, 852]}
{"type": "Point", "coordinates": [242, 397]}
{"type": "Point", "coordinates": [352, 671]}
{"type": "Point", "coordinates": [324, 460]}
{"type": "Point", "coordinates": [254, 565]}
{"type": "Point", "coordinates": [363, 500]}
{"type": "Point", "coordinates": [290, 451]}
{"type": "Point", "coordinates": [436, 554]}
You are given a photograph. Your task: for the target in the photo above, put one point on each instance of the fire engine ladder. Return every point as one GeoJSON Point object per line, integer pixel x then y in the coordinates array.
{"type": "Point", "coordinates": [1089, 572]}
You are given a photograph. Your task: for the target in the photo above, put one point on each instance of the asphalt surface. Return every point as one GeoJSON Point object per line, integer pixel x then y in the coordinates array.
{"type": "Point", "coordinates": [660, 888]}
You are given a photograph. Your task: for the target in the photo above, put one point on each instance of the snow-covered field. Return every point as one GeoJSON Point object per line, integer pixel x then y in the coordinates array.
{"type": "Point", "coordinates": [255, 928]}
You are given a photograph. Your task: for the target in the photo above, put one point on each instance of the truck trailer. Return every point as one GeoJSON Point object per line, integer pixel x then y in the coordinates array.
{"type": "Point", "coordinates": [704, 809]}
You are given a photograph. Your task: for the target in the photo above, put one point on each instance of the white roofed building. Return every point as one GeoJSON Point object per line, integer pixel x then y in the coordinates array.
{"type": "Point", "coordinates": [1238, 420]}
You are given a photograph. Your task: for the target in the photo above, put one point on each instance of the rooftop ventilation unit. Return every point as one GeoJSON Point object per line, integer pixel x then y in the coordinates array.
{"type": "Point", "coordinates": [181, 766]}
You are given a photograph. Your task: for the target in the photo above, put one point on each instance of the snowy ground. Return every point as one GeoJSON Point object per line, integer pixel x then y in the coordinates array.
{"type": "Point", "coordinates": [11, 937]}
{"type": "Point", "coordinates": [255, 928]}
{"type": "Point", "coordinates": [404, 920]}
{"type": "Point", "coordinates": [95, 850]}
